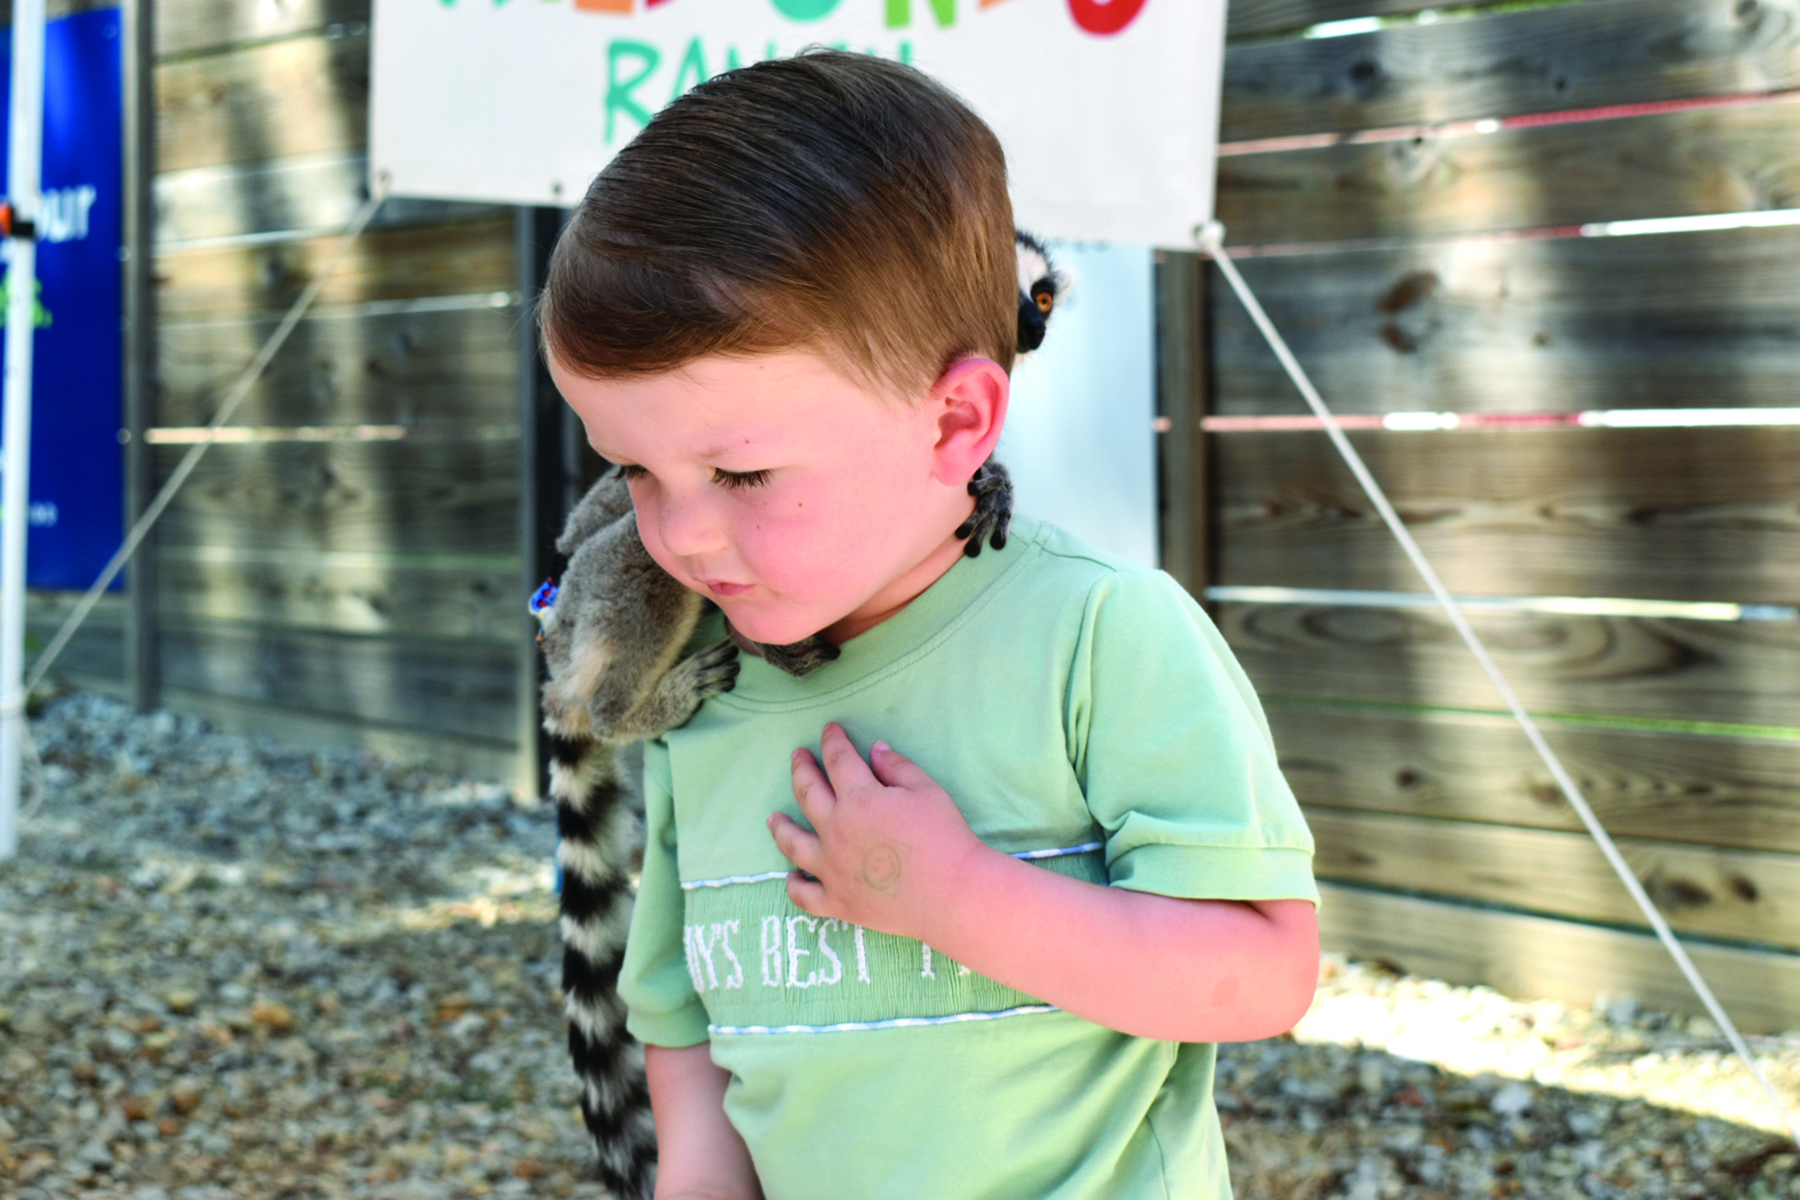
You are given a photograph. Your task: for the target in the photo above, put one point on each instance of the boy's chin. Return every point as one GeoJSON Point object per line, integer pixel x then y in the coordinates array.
{"type": "Point", "coordinates": [768, 632]}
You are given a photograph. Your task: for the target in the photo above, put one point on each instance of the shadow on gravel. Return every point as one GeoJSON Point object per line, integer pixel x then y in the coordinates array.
{"type": "Point", "coordinates": [1328, 1122]}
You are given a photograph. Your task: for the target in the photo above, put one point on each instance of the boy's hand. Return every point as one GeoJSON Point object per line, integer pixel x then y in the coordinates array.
{"type": "Point", "coordinates": [889, 844]}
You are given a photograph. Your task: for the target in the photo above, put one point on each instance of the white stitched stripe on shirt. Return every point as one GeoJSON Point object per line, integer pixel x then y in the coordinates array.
{"type": "Point", "coordinates": [895, 1023]}
{"type": "Point", "coordinates": [688, 885]}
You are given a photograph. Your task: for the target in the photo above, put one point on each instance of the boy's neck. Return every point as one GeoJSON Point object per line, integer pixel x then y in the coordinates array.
{"type": "Point", "coordinates": [896, 596]}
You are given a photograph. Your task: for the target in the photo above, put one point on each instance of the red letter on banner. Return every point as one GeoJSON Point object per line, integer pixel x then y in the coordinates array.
{"type": "Point", "coordinates": [1104, 16]}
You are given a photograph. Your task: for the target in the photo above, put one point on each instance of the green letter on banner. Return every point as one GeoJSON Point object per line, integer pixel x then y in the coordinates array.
{"type": "Point", "coordinates": [805, 10]}
{"type": "Point", "coordinates": [899, 13]}
{"type": "Point", "coordinates": [618, 92]}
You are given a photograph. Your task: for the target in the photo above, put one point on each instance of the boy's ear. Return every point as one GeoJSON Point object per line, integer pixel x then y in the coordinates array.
{"type": "Point", "coordinates": [969, 401]}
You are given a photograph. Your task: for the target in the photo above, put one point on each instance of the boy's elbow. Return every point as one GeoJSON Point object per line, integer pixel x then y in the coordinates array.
{"type": "Point", "coordinates": [1291, 977]}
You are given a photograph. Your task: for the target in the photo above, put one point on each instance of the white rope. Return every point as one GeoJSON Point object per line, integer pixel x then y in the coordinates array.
{"type": "Point", "coordinates": [1211, 239]}
{"type": "Point", "coordinates": [191, 459]}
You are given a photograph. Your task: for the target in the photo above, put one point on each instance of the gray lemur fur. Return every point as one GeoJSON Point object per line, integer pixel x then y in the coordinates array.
{"type": "Point", "coordinates": [613, 634]}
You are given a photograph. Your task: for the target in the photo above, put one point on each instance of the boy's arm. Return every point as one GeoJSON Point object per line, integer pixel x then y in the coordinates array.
{"type": "Point", "coordinates": [892, 852]}
{"type": "Point", "coordinates": [699, 1155]}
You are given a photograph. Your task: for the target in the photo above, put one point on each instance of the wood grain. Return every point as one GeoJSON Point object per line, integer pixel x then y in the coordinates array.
{"type": "Point", "coordinates": [465, 598]}
{"type": "Point", "coordinates": [422, 370]}
{"type": "Point", "coordinates": [1738, 672]}
{"type": "Point", "coordinates": [1701, 161]}
{"type": "Point", "coordinates": [309, 193]}
{"type": "Point", "coordinates": [1691, 320]}
{"type": "Point", "coordinates": [393, 264]}
{"type": "Point", "coordinates": [454, 688]}
{"type": "Point", "coordinates": [1502, 64]}
{"type": "Point", "coordinates": [1741, 894]}
{"type": "Point", "coordinates": [194, 25]}
{"type": "Point", "coordinates": [1247, 18]}
{"type": "Point", "coordinates": [1538, 957]}
{"type": "Point", "coordinates": [301, 95]}
{"type": "Point", "coordinates": [412, 497]}
{"type": "Point", "coordinates": [478, 757]}
{"type": "Point", "coordinates": [95, 656]}
{"type": "Point", "coordinates": [1673, 514]}
{"type": "Point", "coordinates": [1679, 787]}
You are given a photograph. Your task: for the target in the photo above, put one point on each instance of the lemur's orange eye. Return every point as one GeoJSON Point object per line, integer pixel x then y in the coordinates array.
{"type": "Point", "coordinates": [1045, 300]}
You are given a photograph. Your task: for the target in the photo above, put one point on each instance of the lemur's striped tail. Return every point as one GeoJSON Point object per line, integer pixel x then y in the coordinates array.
{"type": "Point", "coordinates": [601, 839]}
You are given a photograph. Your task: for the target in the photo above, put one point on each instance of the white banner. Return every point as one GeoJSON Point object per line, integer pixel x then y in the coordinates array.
{"type": "Point", "coordinates": [1108, 109]}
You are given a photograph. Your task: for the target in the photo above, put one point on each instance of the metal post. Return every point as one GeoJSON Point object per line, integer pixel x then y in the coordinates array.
{"type": "Point", "coordinates": [548, 481]}
{"type": "Point", "coordinates": [139, 50]}
{"type": "Point", "coordinates": [1181, 387]}
{"type": "Point", "coordinates": [24, 179]}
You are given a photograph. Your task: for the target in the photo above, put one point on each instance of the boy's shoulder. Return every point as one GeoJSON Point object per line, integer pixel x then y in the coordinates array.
{"type": "Point", "coordinates": [1058, 561]}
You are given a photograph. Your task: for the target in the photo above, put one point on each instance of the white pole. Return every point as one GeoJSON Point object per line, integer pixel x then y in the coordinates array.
{"type": "Point", "coordinates": [23, 178]}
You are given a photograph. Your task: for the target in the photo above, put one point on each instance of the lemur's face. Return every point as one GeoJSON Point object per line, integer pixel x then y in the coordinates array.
{"type": "Point", "coordinates": [794, 498]}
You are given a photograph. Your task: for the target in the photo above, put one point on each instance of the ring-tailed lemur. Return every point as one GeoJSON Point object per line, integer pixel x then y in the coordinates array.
{"type": "Point", "coordinates": [612, 635]}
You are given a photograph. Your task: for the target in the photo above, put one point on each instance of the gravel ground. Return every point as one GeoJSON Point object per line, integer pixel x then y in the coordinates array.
{"type": "Point", "coordinates": [230, 968]}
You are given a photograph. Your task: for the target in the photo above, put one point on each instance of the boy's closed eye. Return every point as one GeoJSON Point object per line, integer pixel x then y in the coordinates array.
{"type": "Point", "coordinates": [730, 479]}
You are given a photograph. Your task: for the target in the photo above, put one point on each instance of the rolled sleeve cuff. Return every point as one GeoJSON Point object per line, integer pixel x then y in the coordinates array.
{"type": "Point", "coordinates": [685, 1026]}
{"type": "Point", "coordinates": [1217, 873]}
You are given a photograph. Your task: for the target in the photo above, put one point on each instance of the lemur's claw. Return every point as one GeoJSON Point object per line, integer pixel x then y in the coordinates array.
{"type": "Point", "coordinates": [992, 489]}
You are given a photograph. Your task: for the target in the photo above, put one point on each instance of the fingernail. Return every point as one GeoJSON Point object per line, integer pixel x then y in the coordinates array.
{"type": "Point", "coordinates": [881, 748]}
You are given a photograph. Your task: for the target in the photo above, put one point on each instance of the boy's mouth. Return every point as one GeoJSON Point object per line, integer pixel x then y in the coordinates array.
{"type": "Point", "coordinates": [721, 588]}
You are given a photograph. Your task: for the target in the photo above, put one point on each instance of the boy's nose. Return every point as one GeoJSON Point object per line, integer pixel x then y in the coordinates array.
{"type": "Point", "coordinates": [688, 528]}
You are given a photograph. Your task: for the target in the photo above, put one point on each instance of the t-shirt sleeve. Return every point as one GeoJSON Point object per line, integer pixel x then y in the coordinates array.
{"type": "Point", "coordinates": [663, 1008]}
{"type": "Point", "coordinates": [1174, 755]}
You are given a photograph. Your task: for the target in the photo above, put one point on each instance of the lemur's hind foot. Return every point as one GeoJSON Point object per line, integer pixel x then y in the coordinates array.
{"type": "Point", "coordinates": [992, 489]}
{"type": "Point", "coordinates": [801, 658]}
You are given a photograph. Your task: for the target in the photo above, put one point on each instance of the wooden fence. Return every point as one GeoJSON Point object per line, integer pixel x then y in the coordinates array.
{"type": "Point", "coordinates": [347, 567]}
{"type": "Point", "coordinates": [352, 567]}
{"type": "Point", "coordinates": [1415, 194]}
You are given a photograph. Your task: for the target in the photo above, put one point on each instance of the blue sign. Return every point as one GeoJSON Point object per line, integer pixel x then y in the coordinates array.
{"type": "Point", "coordinates": [77, 464]}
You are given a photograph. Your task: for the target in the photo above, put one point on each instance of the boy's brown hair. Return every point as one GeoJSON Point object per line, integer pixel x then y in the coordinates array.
{"type": "Point", "coordinates": [831, 202]}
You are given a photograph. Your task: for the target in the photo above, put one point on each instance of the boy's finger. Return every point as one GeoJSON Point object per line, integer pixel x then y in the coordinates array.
{"type": "Point", "coordinates": [807, 893]}
{"type": "Point", "coordinates": [894, 769]}
{"type": "Point", "coordinates": [842, 763]}
{"type": "Point", "coordinates": [812, 791]}
{"type": "Point", "coordinates": [795, 843]}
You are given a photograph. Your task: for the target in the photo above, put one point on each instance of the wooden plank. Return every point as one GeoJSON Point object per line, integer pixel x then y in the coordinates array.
{"type": "Point", "coordinates": [464, 598]}
{"type": "Point", "coordinates": [310, 193]}
{"type": "Point", "coordinates": [1670, 514]}
{"type": "Point", "coordinates": [56, 9]}
{"type": "Point", "coordinates": [422, 370]}
{"type": "Point", "coordinates": [1691, 320]}
{"type": "Point", "coordinates": [1740, 672]}
{"type": "Point", "coordinates": [1681, 787]}
{"type": "Point", "coordinates": [95, 655]}
{"type": "Point", "coordinates": [477, 757]}
{"type": "Point", "coordinates": [300, 95]}
{"type": "Point", "coordinates": [408, 496]}
{"type": "Point", "coordinates": [393, 264]}
{"type": "Point", "coordinates": [1538, 957]}
{"type": "Point", "coordinates": [1743, 895]}
{"type": "Point", "coordinates": [195, 25]}
{"type": "Point", "coordinates": [1502, 64]}
{"type": "Point", "coordinates": [1248, 18]}
{"type": "Point", "coordinates": [1715, 160]}
{"type": "Point", "coordinates": [447, 688]}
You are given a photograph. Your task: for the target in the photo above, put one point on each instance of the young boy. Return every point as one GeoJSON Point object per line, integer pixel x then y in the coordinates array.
{"type": "Point", "coordinates": [992, 966]}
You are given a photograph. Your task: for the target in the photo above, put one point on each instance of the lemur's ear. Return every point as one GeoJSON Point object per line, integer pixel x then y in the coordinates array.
{"type": "Point", "coordinates": [1040, 286]}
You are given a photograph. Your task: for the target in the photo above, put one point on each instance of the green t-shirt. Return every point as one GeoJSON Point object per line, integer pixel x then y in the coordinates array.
{"type": "Point", "coordinates": [1084, 714]}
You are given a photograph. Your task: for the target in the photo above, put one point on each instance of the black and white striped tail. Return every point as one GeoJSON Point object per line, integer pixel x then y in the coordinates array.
{"type": "Point", "coordinates": [600, 839]}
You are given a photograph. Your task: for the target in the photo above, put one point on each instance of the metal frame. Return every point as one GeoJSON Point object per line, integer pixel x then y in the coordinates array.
{"type": "Point", "coordinates": [1182, 388]}
{"type": "Point", "coordinates": [549, 480]}
{"type": "Point", "coordinates": [139, 36]}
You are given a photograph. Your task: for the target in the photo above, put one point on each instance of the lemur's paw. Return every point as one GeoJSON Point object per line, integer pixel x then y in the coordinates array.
{"type": "Point", "coordinates": [992, 489]}
{"type": "Point", "coordinates": [801, 658]}
{"type": "Point", "coordinates": [713, 670]}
